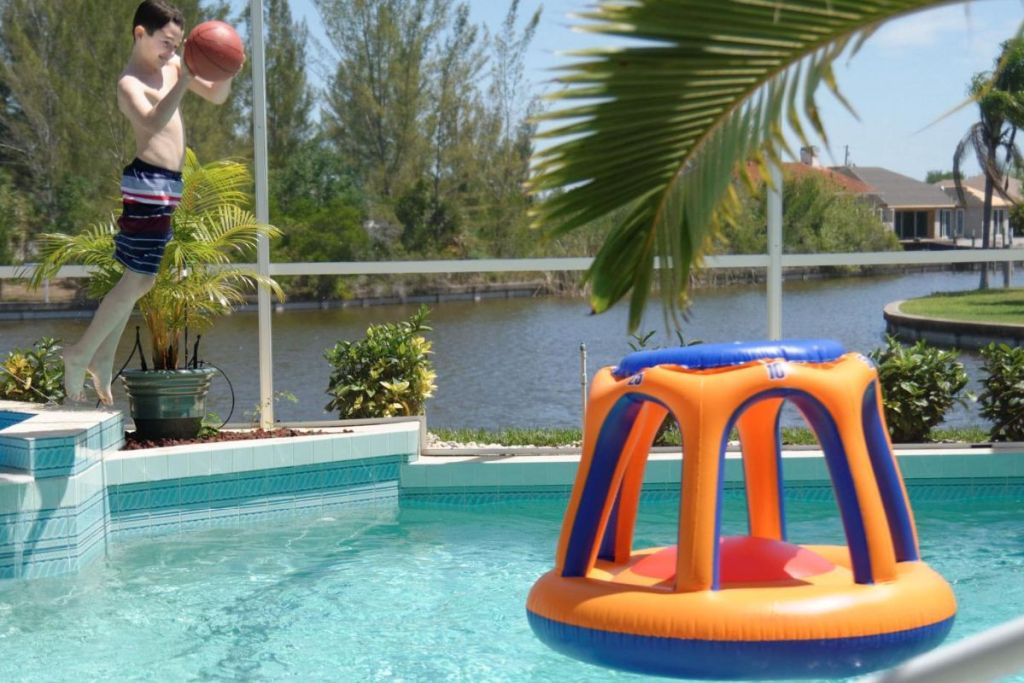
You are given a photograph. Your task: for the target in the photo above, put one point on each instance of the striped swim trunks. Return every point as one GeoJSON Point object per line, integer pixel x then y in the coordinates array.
{"type": "Point", "coordinates": [149, 195]}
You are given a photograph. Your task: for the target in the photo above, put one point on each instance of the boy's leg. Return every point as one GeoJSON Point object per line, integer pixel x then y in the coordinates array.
{"type": "Point", "coordinates": [111, 317]}
{"type": "Point", "coordinates": [101, 369]}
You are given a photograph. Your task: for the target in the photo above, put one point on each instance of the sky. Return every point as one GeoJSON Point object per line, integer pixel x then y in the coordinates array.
{"type": "Point", "coordinates": [903, 83]}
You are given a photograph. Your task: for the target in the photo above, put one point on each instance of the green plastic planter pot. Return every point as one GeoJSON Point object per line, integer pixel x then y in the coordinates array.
{"type": "Point", "coordinates": [167, 404]}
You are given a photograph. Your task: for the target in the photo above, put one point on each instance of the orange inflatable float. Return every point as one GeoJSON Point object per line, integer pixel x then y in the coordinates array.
{"type": "Point", "coordinates": [754, 606]}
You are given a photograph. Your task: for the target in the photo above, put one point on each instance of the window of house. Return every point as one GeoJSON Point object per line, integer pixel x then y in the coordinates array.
{"type": "Point", "coordinates": [959, 222]}
{"type": "Point", "coordinates": [910, 225]}
{"type": "Point", "coordinates": [946, 223]}
{"type": "Point", "coordinates": [998, 220]}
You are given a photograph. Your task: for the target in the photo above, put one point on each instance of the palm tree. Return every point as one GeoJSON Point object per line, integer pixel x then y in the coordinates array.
{"type": "Point", "coordinates": [660, 128]}
{"type": "Point", "coordinates": [1000, 98]}
{"type": "Point", "coordinates": [196, 281]}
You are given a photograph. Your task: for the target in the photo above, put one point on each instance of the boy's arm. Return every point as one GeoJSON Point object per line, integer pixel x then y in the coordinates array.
{"type": "Point", "coordinates": [213, 91]}
{"type": "Point", "coordinates": [132, 101]}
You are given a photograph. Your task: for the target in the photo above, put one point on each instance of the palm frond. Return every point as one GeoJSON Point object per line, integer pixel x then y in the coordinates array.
{"type": "Point", "coordinates": [93, 247]}
{"type": "Point", "coordinates": [664, 127]}
{"type": "Point", "coordinates": [249, 279]}
{"type": "Point", "coordinates": [216, 237]}
{"type": "Point", "coordinates": [973, 140]}
{"type": "Point", "coordinates": [237, 230]}
{"type": "Point", "coordinates": [206, 293]}
{"type": "Point", "coordinates": [210, 186]}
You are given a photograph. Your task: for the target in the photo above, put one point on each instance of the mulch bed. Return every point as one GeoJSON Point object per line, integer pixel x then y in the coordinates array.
{"type": "Point", "coordinates": [132, 443]}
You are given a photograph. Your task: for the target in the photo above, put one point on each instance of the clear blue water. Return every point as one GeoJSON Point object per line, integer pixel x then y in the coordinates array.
{"type": "Point", "coordinates": [410, 594]}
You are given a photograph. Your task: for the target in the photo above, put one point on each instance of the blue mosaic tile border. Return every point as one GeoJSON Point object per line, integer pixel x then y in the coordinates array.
{"type": "Point", "coordinates": [42, 446]}
{"type": "Point", "coordinates": [174, 505]}
{"type": "Point", "coordinates": [50, 541]}
{"type": "Point", "coordinates": [459, 497]}
{"type": "Point", "coordinates": [49, 457]}
{"type": "Point", "coordinates": [920, 491]}
{"type": "Point", "coordinates": [465, 496]}
{"type": "Point", "coordinates": [975, 489]}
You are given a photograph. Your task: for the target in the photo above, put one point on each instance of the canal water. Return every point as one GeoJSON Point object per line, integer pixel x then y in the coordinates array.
{"type": "Point", "coordinates": [516, 362]}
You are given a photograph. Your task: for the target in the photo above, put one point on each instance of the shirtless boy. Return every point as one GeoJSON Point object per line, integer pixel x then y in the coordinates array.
{"type": "Point", "coordinates": [149, 94]}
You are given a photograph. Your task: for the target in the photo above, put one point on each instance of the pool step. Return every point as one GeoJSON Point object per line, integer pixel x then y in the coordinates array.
{"type": "Point", "coordinates": [46, 443]}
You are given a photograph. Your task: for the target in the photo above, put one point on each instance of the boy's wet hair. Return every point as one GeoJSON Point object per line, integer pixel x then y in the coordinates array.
{"type": "Point", "coordinates": [153, 15]}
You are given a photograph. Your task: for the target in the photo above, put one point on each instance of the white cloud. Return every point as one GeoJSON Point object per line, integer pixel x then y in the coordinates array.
{"type": "Point", "coordinates": [968, 33]}
{"type": "Point", "coordinates": [928, 29]}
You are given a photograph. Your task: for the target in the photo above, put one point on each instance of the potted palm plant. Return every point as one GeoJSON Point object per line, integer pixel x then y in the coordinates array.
{"type": "Point", "coordinates": [196, 283]}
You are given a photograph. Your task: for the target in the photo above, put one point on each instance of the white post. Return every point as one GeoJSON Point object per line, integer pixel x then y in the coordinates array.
{"type": "Point", "coordinates": [986, 656]}
{"type": "Point", "coordinates": [774, 275]}
{"type": "Point", "coordinates": [583, 383]}
{"type": "Point", "coordinates": [259, 138]}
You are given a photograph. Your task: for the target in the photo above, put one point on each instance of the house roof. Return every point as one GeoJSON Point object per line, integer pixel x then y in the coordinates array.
{"type": "Point", "coordinates": [800, 170]}
{"type": "Point", "coordinates": [977, 182]}
{"type": "Point", "coordinates": [975, 196]}
{"type": "Point", "coordinates": [844, 181]}
{"type": "Point", "coordinates": [898, 191]}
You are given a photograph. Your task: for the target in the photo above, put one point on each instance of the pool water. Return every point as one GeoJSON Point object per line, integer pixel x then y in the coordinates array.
{"type": "Point", "coordinates": [413, 594]}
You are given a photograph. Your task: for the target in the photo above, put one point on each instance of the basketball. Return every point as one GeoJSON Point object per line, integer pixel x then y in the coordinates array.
{"type": "Point", "coordinates": [214, 51]}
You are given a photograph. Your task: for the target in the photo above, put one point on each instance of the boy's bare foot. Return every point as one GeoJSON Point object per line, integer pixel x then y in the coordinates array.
{"type": "Point", "coordinates": [74, 376]}
{"type": "Point", "coordinates": [101, 383]}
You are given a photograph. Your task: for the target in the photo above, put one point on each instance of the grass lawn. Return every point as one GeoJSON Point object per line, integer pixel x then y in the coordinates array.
{"type": "Point", "coordinates": [791, 436]}
{"type": "Point", "coordinates": [986, 305]}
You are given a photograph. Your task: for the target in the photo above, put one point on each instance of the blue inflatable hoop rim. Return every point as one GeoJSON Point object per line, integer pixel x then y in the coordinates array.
{"type": "Point", "coordinates": [709, 356]}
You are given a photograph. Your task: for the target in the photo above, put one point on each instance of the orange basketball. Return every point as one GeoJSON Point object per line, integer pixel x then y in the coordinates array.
{"type": "Point", "coordinates": [214, 51]}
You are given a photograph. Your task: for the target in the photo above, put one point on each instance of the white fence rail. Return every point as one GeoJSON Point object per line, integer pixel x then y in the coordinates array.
{"type": "Point", "coordinates": [986, 656]}
{"type": "Point", "coordinates": [873, 258]}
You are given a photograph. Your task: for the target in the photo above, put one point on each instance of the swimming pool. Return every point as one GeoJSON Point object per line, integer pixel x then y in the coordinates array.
{"type": "Point", "coordinates": [420, 592]}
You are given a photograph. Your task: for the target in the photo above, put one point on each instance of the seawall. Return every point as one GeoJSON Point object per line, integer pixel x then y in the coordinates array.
{"type": "Point", "coordinates": [949, 333]}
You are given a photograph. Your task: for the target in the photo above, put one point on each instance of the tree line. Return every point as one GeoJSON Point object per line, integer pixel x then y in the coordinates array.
{"type": "Point", "coordinates": [416, 145]}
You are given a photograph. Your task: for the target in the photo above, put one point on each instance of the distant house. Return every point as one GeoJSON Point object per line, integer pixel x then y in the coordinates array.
{"type": "Point", "coordinates": [967, 219]}
{"type": "Point", "coordinates": [912, 209]}
{"type": "Point", "coordinates": [915, 210]}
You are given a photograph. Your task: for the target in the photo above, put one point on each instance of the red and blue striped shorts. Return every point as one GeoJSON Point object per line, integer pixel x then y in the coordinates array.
{"type": "Point", "coordinates": [149, 195]}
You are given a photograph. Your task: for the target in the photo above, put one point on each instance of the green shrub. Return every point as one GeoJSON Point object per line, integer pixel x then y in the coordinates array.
{"type": "Point", "coordinates": [641, 341]}
{"type": "Point", "coordinates": [819, 216]}
{"type": "Point", "coordinates": [969, 434]}
{"type": "Point", "coordinates": [1002, 399]}
{"type": "Point", "coordinates": [387, 374]}
{"type": "Point", "coordinates": [550, 437]}
{"type": "Point", "coordinates": [35, 375]}
{"type": "Point", "coordinates": [919, 385]}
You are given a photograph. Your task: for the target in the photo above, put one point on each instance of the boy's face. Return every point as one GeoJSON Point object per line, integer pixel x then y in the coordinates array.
{"type": "Point", "coordinates": [160, 47]}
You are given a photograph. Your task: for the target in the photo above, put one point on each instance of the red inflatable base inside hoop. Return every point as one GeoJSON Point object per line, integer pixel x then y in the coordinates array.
{"type": "Point", "coordinates": [745, 559]}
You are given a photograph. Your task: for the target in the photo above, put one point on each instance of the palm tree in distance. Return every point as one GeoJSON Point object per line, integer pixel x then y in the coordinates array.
{"type": "Point", "coordinates": [658, 130]}
{"type": "Point", "coordinates": [1000, 98]}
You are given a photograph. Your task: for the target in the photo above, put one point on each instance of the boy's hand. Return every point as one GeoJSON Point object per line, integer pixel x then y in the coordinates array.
{"type": "Point", "coordinates": [184, 73]}
{"type": "Point", "coordinates": [240, 67]}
